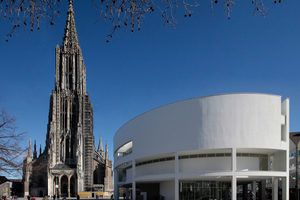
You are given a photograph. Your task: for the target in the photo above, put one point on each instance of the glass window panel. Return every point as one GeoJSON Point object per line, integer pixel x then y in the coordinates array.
{"type": "Point", "coordinates": [203, 190]}
{"type": "Point", "coordinates": [263, 164]}
{"type": "Point", "coordinates": [211, 155]}
{"type": "Point", "coordinates": [205, 184]}
{"type": "Point", "coordinates": [212, 184]}
{"type": "Point", "coordinates": [263, 155]}
{"type": "Point", "coordinates": [170, 158]}
{"type": "Point", "coordinates": [245, 154]}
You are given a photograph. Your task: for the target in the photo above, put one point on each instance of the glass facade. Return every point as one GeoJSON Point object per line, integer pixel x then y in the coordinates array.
{"type": "Point", "coordinates": [203, 190]}
{"type": "Point", "coordinates": [122, 154]}
{"type": "Point", "coordinates": [122, 171]}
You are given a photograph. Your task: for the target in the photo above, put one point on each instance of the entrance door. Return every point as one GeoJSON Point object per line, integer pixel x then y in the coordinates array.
{"type": "Point", "coordinates": [64, 186]}
{"type": "Point", "coordinates": [72, 186]}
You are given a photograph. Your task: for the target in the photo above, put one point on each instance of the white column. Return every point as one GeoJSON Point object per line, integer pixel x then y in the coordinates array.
{"type": "Point", "coordinates": [233, 160]}
{"type": "Point", "coordinates": [233, 168]}
{"type": "Point", "coordinates": [254, 189]}
{"type": "Point", "coordinates": [233, 187]}
{"type": "Point", "coordinates": [116, 186]}
{"type": "Point", "coordinates": [176, 164]}
{"type": "Point", "coordinates": [176, 177]}
{"type": "Point", "coordinates": [285, 189]}
{"type": "Point", "coordinates": [133, 181]}
{"type": "Point", "coordinates": [133, 191]}
{"type": "Point", "coordinates": [274, 188]}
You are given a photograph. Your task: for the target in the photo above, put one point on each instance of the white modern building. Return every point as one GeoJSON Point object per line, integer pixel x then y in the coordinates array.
{"type": "Point", "coordinates": [204, 148]}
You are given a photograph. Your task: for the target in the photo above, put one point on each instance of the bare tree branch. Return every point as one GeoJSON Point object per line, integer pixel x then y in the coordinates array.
{"type": "Point", "coordinates": [28, 13]}
{"type": "Point", "coordinates": [121, 13]}
{"type": "Point", "coordinates": [10, 140]}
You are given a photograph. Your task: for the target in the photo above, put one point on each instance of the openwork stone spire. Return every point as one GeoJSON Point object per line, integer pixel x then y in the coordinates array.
{"type": "Point", "coordinates": [70, 73]}
{"type": "Point", "coordinates": [70, 41]}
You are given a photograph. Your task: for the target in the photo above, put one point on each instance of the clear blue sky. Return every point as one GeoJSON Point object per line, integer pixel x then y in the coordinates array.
{"type": "Point", "coordinates": [157, 65]}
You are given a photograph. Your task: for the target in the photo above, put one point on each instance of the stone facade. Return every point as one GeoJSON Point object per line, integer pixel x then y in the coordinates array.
{"type": "Point", "coordinates": [5, 189]}
{"type": "Point", "coordinates": [70, 163]}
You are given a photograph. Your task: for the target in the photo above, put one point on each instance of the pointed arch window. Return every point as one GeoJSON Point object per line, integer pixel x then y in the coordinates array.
{"type": "Point", "coordinates": [67, 147]}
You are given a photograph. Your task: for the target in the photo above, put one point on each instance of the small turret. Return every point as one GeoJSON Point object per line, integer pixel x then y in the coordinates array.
{"type": "Point", "coordinates": [100, 148]}
{"type": "Point", "coordinates": [106, 152]}
{"type": "Point", "coordinates": [34, 150]}
{"type": "Point", "coordinates": [29, 149]}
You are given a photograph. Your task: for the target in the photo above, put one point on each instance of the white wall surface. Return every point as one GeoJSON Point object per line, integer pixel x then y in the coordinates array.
{"type": "Point", "coordinates": [253, 120]}
{"type": "Point", "coordinates": [247, 163]}
{"type": "Point", "coordinates": [166, 167]}
{"type": "Point", "coordinates": [205, 164]}
{"type": "Point", "coordinates": [279, 161]}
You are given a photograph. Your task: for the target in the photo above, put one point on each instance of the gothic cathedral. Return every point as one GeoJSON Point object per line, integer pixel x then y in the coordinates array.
{"type": "Point", "coordinates": [70, 164]}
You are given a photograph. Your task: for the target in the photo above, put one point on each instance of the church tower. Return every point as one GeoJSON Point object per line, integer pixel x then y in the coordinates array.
{"type": "Point", "coordinates": [70, 139]}
{"type": "Point", "coordinates": [70, 163]}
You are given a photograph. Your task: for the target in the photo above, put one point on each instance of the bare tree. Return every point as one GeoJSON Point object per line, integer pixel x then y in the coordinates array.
{"type": "Point", "coordinates": [122, 13]}
{"type": "Point", "coordinates": [10, 149]}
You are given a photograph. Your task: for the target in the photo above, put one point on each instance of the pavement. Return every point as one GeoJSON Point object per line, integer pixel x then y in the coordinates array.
{"type": "Point", "coordinates": [74, 198]}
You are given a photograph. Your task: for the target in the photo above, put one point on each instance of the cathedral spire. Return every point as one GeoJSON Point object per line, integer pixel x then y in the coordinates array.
{"type": "Point", "coordinates": [70, 41]}
{"type": "Point", "coordinates": [70, 72]}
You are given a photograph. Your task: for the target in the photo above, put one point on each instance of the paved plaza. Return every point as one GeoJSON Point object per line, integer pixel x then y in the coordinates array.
{"type": "Point", "coordinates": [72, 198]}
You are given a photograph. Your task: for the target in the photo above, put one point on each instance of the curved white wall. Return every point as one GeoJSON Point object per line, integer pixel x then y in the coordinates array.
{"type": "Point", "coordinates": [227, 134]}
{"type": "Point", "coordinates": [253, 120]}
